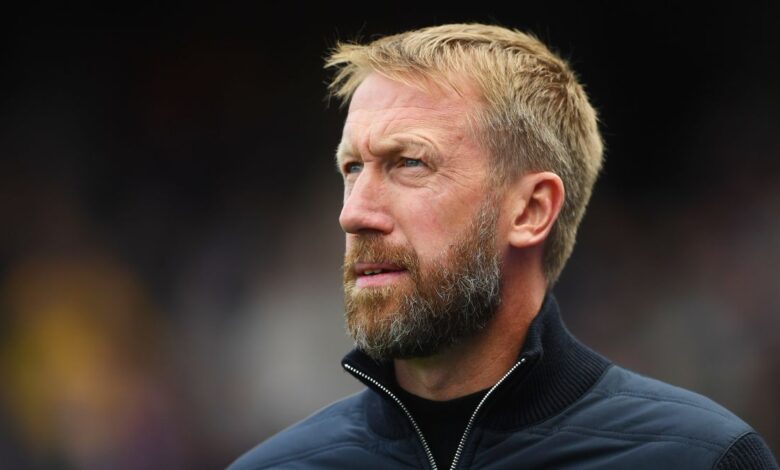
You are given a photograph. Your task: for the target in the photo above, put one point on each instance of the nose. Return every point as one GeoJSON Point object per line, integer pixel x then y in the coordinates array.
{"type": "Point", "coordinates": [366, 206]}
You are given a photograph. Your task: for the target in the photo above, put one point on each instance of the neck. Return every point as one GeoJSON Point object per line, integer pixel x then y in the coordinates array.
{"type": "Point", "coordinates": [480, 361]}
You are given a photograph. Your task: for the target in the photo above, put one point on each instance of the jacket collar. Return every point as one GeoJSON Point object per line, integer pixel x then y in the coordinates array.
{"type": "Point", "coordinates": [557, 372]}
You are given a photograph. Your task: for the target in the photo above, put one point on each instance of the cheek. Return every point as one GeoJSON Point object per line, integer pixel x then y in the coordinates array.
{"type": "Point", "coordinates": [430, 228]}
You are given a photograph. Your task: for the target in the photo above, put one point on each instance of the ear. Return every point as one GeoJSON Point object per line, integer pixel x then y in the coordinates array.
{"type": "Point", "coordinates": [534, 201]}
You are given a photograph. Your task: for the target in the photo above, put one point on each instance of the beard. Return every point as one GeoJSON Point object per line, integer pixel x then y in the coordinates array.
{"type": "Point", "coordinates": [434, 306]}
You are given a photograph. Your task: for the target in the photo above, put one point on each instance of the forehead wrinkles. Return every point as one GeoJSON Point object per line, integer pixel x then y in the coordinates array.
{"type": "Point", "coordinates": [381, 106]}
{"type": "Point", "coordinates": [379, 131]}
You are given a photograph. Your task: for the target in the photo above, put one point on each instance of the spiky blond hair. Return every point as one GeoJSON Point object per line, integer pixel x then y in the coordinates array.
{"type": "Point", "coordinates": [533, 115]}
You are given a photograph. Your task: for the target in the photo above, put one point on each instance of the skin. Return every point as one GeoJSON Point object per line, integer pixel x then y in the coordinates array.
{"type": "Point", "coordinates": [413, 174]}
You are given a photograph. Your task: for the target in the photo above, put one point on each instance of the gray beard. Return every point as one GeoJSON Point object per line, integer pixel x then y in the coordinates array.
{"type": "Point", "coordinates": [455, 300]}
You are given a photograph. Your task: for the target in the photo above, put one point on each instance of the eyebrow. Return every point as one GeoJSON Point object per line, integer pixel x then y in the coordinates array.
{"type": "Point", "coordinates": [343, 150]}
{"type": "Point", "coordinates": [388, 146]}
{"type": "Point", "coordinates": [398, 143]}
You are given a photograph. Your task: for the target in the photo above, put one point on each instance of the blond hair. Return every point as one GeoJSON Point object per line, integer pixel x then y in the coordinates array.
{"type": "Point", "coordinates": [535, 116]}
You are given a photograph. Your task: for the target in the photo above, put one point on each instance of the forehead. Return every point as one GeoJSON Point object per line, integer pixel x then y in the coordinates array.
{"type": "Point", "coordinates": [379, 92]}
{"type": "Point", "coordinates": [381, 107]}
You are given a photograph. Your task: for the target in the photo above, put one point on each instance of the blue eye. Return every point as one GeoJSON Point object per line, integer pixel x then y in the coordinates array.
{"type": "Point", "coordinates": [353, 167]}
{"type": "Point", "coordinates": [412, 163]}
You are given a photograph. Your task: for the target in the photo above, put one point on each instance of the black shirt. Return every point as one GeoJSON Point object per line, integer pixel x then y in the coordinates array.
{"type": "Point", "coordinates": [442, 422]}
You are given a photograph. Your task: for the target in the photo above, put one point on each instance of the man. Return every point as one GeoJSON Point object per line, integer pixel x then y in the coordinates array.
{"type": "Point", "coordinates": [468, 157]}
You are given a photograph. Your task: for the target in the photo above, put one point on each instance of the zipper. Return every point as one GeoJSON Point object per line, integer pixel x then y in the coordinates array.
{"type": "Point", "coordinates": [417, 429]}
{"type": "Point", "coordinates": [473, 418]}
{"type": "Point", "coordinates": [428, 452]}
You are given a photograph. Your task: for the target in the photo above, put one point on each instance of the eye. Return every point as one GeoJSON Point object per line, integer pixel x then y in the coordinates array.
{"type": "Point", "coordinates": [353, 167]}
{"type": "Point", "coordinates": [412, 163]}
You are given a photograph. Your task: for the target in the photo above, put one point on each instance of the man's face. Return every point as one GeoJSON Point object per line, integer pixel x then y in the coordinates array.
{"type": "Point", "coordinates": [421, 268]}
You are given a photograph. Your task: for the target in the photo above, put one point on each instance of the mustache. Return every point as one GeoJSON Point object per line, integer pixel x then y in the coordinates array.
{"type": "Point", "coordinates": [373, 248]}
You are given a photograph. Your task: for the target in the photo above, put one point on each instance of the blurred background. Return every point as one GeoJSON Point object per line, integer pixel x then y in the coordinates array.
{"type": "Point", "coordinates": [170, 254]}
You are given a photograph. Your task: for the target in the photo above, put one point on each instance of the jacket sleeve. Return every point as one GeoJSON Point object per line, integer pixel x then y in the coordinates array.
{"type": "Point", "coordinates": [749, 452]}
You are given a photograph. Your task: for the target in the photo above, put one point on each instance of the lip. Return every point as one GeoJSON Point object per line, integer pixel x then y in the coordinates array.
{"type": "Point", "coordinates": [361, 266]}
{"type": "Point", "coordinates": [393, 273]}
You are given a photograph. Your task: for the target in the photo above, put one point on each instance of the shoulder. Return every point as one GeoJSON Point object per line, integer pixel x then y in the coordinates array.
{"type": "Point", "coordinates": [338, 425]}
{"type": "Point", "coordinates": [691, 413]}
{"type": "Point", "coordinates": [627, 401]}
{"type": "Point", "coordinates": [668, 423]}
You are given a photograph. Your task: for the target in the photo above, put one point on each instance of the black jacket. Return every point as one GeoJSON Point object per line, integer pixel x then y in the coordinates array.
{"type": "Point", "coordinates": [561, 406]}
